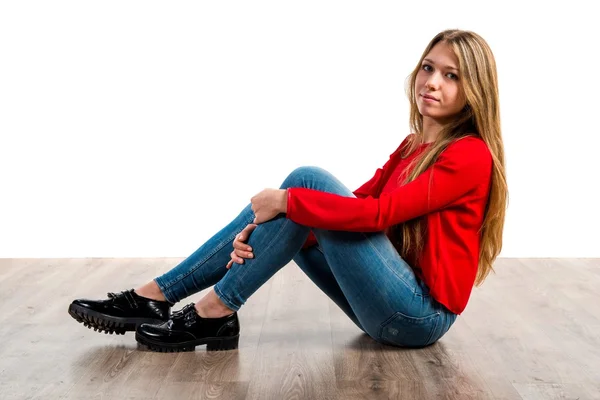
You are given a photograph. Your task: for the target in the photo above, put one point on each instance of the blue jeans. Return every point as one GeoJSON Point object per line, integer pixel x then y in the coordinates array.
{"type": "Point", "coordinates": [360, 271]}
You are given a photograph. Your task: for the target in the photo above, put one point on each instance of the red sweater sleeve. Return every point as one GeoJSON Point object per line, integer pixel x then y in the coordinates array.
{"type": "Point", "coordinates": [459, 169]}
{"type": "Point", "coordinates": [367, 189]}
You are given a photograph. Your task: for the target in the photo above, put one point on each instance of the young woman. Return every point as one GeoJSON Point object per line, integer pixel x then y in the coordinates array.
{"type": "Point", "coordinates": [400, 255]}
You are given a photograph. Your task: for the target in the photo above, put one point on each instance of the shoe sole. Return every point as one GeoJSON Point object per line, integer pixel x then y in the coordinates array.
{"type": "Point", "coordinates": [105, 323]}
{"type": "Point", "coordinates": [212, 344]}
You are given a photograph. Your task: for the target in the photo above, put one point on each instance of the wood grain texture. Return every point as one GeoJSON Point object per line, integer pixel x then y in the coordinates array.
{"type": "Point", "coordinates": [532, 331]}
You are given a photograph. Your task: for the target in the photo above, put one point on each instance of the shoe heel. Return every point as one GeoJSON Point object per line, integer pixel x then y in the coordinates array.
{"type": "Point", "coordinates": [223, 344]}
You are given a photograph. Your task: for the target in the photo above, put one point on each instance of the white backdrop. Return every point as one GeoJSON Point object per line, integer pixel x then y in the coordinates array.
{"type": "Point", "coordinates": [140, 128]}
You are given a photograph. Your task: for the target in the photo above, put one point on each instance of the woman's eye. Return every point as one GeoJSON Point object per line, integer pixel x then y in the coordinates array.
{"type": "Point", "coordinates": [429, 68]}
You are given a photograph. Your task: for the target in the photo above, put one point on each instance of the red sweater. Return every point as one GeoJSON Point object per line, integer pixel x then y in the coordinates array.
{"type": "Point", "coordinates": [454, 208]}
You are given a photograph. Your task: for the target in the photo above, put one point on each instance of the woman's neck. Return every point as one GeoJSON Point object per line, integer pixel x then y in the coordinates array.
{"type": "Point", "coordinates": [431, 129]}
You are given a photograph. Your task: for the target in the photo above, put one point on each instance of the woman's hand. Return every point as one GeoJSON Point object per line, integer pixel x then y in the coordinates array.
{"type": "Point", "coordinates": [268, 203]}
{"type": "Point", "coordinates": [240, 249]}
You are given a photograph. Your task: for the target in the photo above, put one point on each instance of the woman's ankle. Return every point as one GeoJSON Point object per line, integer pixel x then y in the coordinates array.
{"type": "Point", "coordinates": [150, 291]}
{"type": "Point", "coordinates": [210, 306]}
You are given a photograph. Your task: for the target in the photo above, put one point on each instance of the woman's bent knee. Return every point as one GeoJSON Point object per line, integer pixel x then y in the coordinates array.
{"type": "Point", "coordinates": [302, 175]}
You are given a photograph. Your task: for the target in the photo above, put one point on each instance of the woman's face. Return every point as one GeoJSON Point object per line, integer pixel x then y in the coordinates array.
{"type": "Point", "coordinates": [438, 79]}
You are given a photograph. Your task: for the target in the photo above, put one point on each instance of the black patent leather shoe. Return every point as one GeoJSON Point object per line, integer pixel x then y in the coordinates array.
{"type": "Point", "coordinates": [120, 313]}
{"type": "Point", "coordinates": [186, 330]}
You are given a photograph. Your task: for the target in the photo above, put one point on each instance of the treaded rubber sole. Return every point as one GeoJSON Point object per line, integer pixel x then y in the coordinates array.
{"type": "Point", "coordinates": [212, 344]}
{"type": "Point", "coordinates": [105, 323]}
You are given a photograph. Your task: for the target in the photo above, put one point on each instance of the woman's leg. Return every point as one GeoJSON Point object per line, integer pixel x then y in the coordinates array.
{"type": "Point", "coordinates": [312, 261]}
{"type": "Point", "coordinates": [390, 303]}
{"type": "Point", "coordinates": [272, 242]}
{"type": "Point", "coordinates": [205, 266]}
{"type": "Point", "coordinates": [387, 299]}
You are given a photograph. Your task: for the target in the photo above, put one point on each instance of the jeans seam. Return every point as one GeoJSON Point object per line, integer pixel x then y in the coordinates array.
{"type": "Point", "coordinates": [269, 245]}
{"type": "Point", "coordinates": [225, 299]}
{"type": "Point", "coordinates": [433, 331]}
{"type": "Point", "coordinates": [165, 290]}
{"type": "Point", "coordinates": [214, 251]}
{"type": "Point", "coordinates": [395, 315]}
{"type": "Point", "coordinates": [382, 258]}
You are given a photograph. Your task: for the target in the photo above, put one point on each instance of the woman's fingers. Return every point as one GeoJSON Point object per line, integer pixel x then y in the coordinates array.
{"type": "Point", "coordinates": [244, 254]}
{"type": "Point", "coordinates": [240, 249]}
{"type": "Point", "coordinates": [235, 258]}
{"type": "Point", "coordinates": [245, 233]}
{"type": "Point", "coordinates": [238, 245]}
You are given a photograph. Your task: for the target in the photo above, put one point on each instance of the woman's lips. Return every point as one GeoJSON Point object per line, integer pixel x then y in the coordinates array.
{"type": "Point", "coordinates": [429, 99]}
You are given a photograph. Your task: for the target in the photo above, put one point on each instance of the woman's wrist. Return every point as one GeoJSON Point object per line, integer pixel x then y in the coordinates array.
{"type": "Point", "coordinates": [283, 201]}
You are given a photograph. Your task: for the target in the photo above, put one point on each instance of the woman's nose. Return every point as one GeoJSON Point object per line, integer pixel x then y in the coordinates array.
{"type": "Point", "coordinates": [433, 83]}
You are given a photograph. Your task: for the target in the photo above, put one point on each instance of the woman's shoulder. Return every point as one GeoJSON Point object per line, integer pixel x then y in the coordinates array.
{"type": "Point", "coordinates": [470, 142]}
{"type": "Point", "coordinates": [468, 150]}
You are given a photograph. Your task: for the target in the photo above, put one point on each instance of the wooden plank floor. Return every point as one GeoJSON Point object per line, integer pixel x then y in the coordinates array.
{"type": "Point", "coordinates": [531, 332]}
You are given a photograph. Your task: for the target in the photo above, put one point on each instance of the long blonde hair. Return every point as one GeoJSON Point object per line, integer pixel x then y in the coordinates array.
{"type": "Point", "coordinates": [480, 117]}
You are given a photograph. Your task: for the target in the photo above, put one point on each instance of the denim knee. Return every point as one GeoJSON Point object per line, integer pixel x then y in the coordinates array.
{"type": "Point", "coordinates": [304, 176]}
{"type": "Point", "coordinates": [312, 177]}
